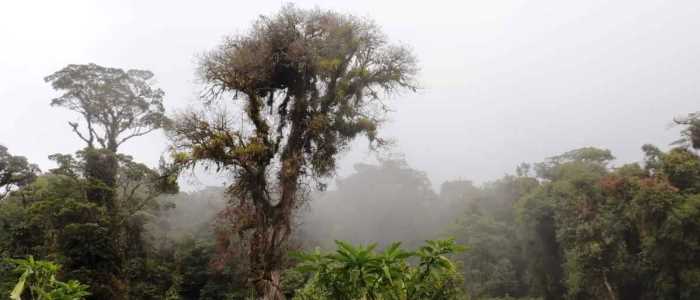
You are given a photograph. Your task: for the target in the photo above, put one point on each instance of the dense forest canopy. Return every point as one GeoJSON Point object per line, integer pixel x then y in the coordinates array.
{"type": "Point", "coordinates": [281, 103]}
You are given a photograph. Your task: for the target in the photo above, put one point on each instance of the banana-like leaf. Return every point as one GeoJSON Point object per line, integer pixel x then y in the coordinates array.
{"type": "Point", "coordinates": [16, 293]}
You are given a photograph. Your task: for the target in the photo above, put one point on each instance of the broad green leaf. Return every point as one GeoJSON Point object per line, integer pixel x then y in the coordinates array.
{"type": "Point", "coordinates": [16, 293]}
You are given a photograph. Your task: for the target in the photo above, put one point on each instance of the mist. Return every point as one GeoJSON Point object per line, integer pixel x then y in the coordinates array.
{"type": "Point", "coordinates": [228, 150]}
{"type": "Point", "coordinates": [502, 82]}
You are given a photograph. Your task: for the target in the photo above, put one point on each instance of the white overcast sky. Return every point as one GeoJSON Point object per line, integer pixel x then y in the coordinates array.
{"type": "Point", "coordinates": [504, 81]}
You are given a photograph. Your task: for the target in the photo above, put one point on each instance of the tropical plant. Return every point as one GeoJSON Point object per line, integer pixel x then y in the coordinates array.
{"type": "Point", "coordinates": [38, 279]}
{"type": "Point", "coordinates": [358, 272]}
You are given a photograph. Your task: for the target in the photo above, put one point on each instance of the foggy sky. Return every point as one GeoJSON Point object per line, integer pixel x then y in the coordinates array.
{"type": "Point", "coordinates": [503, 82]}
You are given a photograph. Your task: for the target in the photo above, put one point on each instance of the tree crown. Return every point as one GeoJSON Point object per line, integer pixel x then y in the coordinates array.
{"type": "Point", "coordinates": [116, 105]}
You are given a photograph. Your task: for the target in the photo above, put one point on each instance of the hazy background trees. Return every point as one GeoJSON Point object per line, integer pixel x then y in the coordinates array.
{"type": "Point", "coordinates": [573, 226]}
{"type": "Point", "coordinates": [376, 204]}
{"type": "Point", "coordinates": [305, 83]}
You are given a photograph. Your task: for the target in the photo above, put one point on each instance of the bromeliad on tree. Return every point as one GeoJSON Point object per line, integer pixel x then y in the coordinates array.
{"type": "Point", "coordinates": [307, 82]}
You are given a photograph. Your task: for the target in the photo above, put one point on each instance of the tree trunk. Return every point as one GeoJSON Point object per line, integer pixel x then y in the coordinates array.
{"type": "Point", "coordinates": [266, 260]}
{"type": "Point", "coordinates": [273, 290]}
{"type": "Point", "coordinates": [609, 288]}
{"type": "Point", "coordinates": [276, 229]}
{"type": "Point", "coordinates": [101, 171]}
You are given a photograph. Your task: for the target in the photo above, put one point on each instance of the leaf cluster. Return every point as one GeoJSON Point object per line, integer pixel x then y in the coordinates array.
{"type": "Point", "coordinates": [38, 281]}
{"type": "Point", "coordinates": [358, 272]}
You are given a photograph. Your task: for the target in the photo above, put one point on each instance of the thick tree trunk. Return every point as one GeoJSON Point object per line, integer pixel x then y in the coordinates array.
{"type": "Point", "coordinates": [270, 287]}
{"type": "Point", "coordinates": [101, 172]}
{"type": "Point", "coordinates": [270, 238]}
{"type": "Point", "coordinates": [274, 288]}
{"type": "Point", "coordinates": [274, 233]}
{"type": "Point", "coordinates": [266, 261]}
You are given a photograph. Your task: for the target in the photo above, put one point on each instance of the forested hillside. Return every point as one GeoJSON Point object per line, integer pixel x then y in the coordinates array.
{"type": "Point", "coordinates": [280, 105]}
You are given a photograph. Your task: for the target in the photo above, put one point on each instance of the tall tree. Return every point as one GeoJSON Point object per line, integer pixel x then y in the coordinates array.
{"type": "Point", "coordinates": [115, 106]}
{"type": "Point", "coordinates": [308, 82]}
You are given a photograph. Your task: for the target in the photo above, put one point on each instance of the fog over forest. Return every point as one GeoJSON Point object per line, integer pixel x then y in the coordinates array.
{"type": "Point", "coordinates": [321, 150]}
{"type": "Point", "coordinates": [503, 82]}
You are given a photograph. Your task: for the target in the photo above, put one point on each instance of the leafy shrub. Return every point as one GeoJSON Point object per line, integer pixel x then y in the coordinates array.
{"type": "Point", "coordinates": [358, 272]}
{"type": "Point", "coordinates": [38, 280]}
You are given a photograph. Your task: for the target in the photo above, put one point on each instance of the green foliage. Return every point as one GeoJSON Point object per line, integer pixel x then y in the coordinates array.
{"type": "Point", "coordinates": [116, 105]}
{"type": "Point", "coordinates": [53, 218]}
{"type": "Point", "coordinates": [37, 280]}
{"type": "Point", "coordinates": [308, 83]}
{"type": "Point", "coordinates": [584, 230]}
{"type": "Point", "coordinates": [691, 132]}
{"type": "Point", "coordinates": [358, 272]}
{"type": "Point", "coordinates": [495, 266]}
{"type": "Point", "coordinates": [199, 280]}
{"type": "Point", "coordinates": [682, 168]}
{"type": "Point", "coordinates": [15, 172]}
